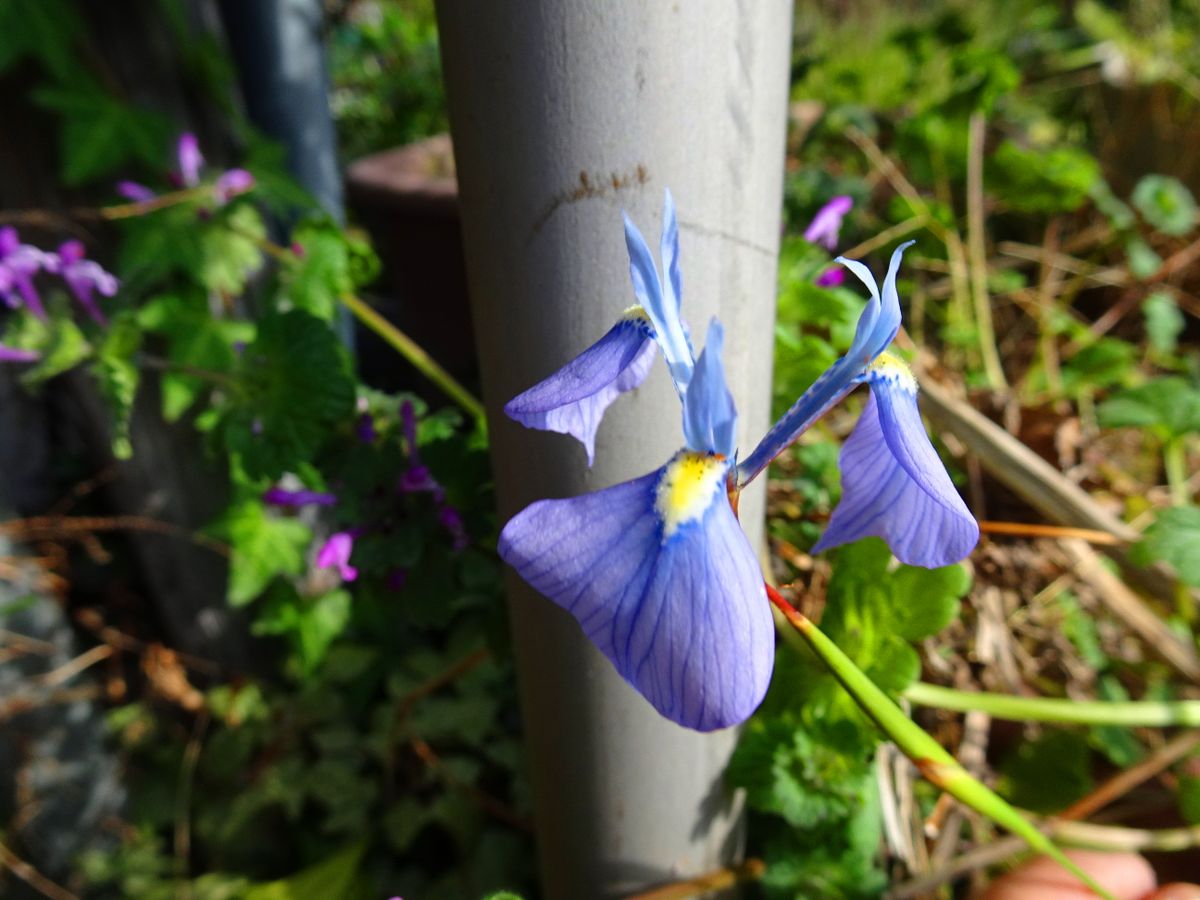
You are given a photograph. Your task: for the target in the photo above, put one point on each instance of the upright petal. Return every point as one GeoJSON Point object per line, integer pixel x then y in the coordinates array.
{"type": "Point", "coordinates": [877, 326]}
{"type": "Point", "coordinates": [893, 484]}
{"type": "Point", "coordinates": [663, 311]}
{"type": "Point", "coordinates": [662, 579]}
{"type": "Point", "coordinates": [190, 159]}
{"type": "Point", "coordinates": [709, 416]}
{"type": "Point", "coordinates": [669, 253]}
{"type": "Point", "coordinates": [573, 400]}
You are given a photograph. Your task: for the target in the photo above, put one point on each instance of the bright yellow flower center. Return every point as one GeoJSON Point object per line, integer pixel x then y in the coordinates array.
{"type": "Point", "coordinates": [895, 369]}
{"type": "Point", "coordinates": [687, 487]}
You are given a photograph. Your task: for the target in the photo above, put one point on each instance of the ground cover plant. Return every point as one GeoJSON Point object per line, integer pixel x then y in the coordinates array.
{"type": "Point", "coordinates": [369, 744]}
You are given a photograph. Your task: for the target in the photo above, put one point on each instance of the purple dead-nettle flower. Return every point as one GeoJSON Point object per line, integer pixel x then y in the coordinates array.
{"type": "Point", "coordinates": [187, 152]}
{"type": "Point", "coordinates": [418, 479]}
{"type": "Point", "coordinates": [827, 223]}
{"type": "Point", "coordinates": [21, 264]}
{"type": "Point", "coordinates": [231, 183]}
{"type": "Point", "coordinates": [335, 554]}
{"type": "Point", "coordinates": [286, 497]}
{"type": "Point", "coordinates": [830, 278]}
{"type": "Point", "coordinates": [83, 276]}
{"type": "Point", "coordinates": [657, 570]}
{"type": "Point", "coordinates": [16, 354]}
{"type": "Point", "coordinates": [135, 192]}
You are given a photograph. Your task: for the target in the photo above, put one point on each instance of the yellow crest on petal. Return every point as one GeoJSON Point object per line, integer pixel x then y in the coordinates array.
{"type": "Point", "coordinates": [892, 368]}
{"type": "Point", "coordinates": [687, 487]}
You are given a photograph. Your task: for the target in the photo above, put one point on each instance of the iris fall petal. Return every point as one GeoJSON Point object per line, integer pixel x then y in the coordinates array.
{"type": "Point", "coordinates": [664, 582]}
{"type": "Point", "coordinates": [895, 487]}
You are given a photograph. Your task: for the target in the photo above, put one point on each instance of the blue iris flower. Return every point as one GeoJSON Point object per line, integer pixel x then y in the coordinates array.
{"type": "Point", "coordinates": [657, 571]}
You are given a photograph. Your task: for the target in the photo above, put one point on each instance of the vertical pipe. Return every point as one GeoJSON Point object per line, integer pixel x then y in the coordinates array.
{"type": "Point", "coordinates": [564, 113]}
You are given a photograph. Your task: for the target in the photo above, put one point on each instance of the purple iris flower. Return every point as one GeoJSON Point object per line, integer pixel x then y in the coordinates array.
{"type": "Point", "coordinates": [279, 496]}
{"type": "Point", "coordinates": [21, 263]}
{"type": "Point", "coordinates": [83, 276]}
{"type": "Point", "coordinates": [893, 484]}
{"type": "Point", "coordinates": [827, 223]}
{"type": "Point", "coordinates": [657, 570]}
{"type": "Point", "coordinates": [335, 554]}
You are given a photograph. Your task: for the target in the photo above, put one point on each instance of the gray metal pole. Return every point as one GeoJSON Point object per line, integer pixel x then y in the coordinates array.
{"type": "Point", "coordinates": [563, 114]}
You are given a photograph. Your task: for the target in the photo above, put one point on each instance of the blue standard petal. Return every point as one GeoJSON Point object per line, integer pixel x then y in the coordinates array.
{"type": "Point", "coordinates": [709, 416]}
{"type": "Point", "coordinates": [894, 486]}
{"type": "Point", "coordinates": [663, 581]}
{"type": "Point", "coordinates": [573, 400]}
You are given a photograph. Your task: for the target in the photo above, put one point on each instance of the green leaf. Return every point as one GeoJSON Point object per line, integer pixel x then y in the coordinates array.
{"type": "Point", "coordinates": [62, 345]}
{"type": "Point", "coordinates": [118, 375]}
{"type": "Point", "coordinates": [1143, 261]}
{"type": "Point", "coordinates": [1170, 406]}
{"type": "Point", "coordinates": [45, 29]}
{"type": "Point", "coordinates": [310, 624]}
{"type": "Point", "coordinates": [924, 601]}
{"type": "Point", "coordinates": [1050, 180]}
{"type": "Point", "coordinates": [807, 775]}
{"type": "Point", "coordinates": [99, 131]}
{"type": "Point", "coordinates": [1166, 203]}
{"type": "Point", "coordinates": [230, 249]}
{"type": "Point", "coordinates": [331, 263]}
{"type": "Point", "coordinates": [262, 548]}
{"type": "Point", "coordinates": [1174, 538]}
{"type": "Point", "coordinates": [1118, 744]}
{"type": "Point", "coordinates": [336, 878]}
{"type": "Point", "coordinates": [1048, 774]}
{"type": "Point", "coordinates": [297, 387]}
{"type": "Point", "coordinates": [1164, 321]}
{"type": "Point", "coordinates": [1189, 799]}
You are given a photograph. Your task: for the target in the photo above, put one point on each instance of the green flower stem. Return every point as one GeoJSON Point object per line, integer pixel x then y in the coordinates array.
{"type": "Point", "coordinates": [930, 758]}
{"type": "Point", "coordinates": [411, 350]}
{"type": "Point", "coordinates": [1131, 714]}
{"type": "Point", "coordinates": [1175, 463]}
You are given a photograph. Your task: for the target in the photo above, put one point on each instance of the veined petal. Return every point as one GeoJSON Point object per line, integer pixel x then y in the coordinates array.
{"type": "Point", "coordinates": [663, 581]}
{"type": "Point", "coordinates": [573, 400]}
{"type": "Point", "coordinates": [669, 254]}
{"type": "Point", "coordinates": [894, 486]}
{"type": "Point", "coordinates": [709, 416]}
{"type": "Point", "coordinates": [663, 311]}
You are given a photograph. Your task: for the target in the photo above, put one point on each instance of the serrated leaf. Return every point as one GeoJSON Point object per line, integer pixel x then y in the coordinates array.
{"type": "Point", "coordinates": [61, 343]}
{"type": "Point", "coordinates": [1166, 203]}
{"type": "Point", "coordinates": [321, 273]}
{"type": "Point", "coordinates": [117, 374]}
{"type": "Point", "coordinates": [100, 132]}
{"type": "Point", "coordinates": [41, 28]}
{"type": "Point", "coordinates": [310, 624]}
{"type": "Point", "coordinates": [262, 548]}
{"type": "Point", "coordinates": [1170, 406]}
{"type": "Point", "coordinates": [924, 601]}
{"type": "Point", "coordinates": [230, 250]}
{"type": "Point", "coordinates": [1174, 538]}
{"type": "Point", "coordinates": [297, 387]}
